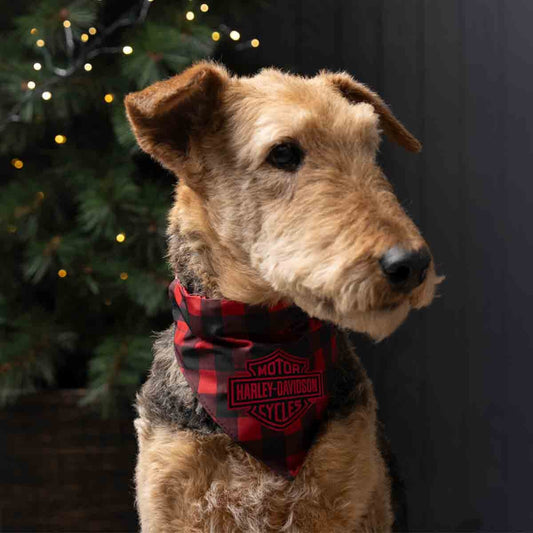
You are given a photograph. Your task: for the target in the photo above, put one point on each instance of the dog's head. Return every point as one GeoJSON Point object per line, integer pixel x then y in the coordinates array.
{"type": "Point", "coordinates": [281, 191]}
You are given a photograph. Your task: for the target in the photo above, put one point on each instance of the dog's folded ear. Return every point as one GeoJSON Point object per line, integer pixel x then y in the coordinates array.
{"type": "Point", "coordinates": [167, 114]}
{"type": "Point", "coordinates": [357, 92]}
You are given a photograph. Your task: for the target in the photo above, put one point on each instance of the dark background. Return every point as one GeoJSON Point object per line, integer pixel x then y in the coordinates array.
{"type": "Point", "coordinates": [453, 383]}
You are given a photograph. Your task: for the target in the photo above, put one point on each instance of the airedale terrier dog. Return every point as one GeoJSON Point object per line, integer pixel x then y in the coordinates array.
{"type": "Point", "coordinates": [257, 415]}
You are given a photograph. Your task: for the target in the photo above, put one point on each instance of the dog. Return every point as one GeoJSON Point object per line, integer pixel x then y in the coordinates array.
{"type": "Point", "coordinates": [282, 213]}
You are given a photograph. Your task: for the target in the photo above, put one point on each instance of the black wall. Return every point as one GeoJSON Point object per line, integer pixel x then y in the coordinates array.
{"type": "Point", "coordinates": [454, 382]}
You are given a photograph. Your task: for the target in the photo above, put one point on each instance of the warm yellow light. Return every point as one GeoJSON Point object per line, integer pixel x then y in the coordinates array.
{"type": "Point", "coordinates": [88, 67]}
{"type": "Point", "coordinates": [189, 15]}
{"type": "Point", "coordinates": [84, 37]}
{"type": "Point", "coordinates": [11, 228]}
{"type": "Point", "coordinates": [120, 237]}
{"type": "Point", "coordinates": [107, 302]}
{"type": "Point", "coordinates": [204, 8]}
{"type": "Point", "coordinates": [46, 95]}
{"type": "Point", "coordinates": [235, 35]}
{"type": "Point", "coordinates": [40, 43]}
{"type": "Point", "coordinates": [127, 50]}
{"type": "Point", "coordinates": [109, 98]}
{"type": "Point", "coordinates": [254, 43]}
{"type": "Point", "coordinates": [66, 24]}
{"type": "Point", "coordinates": [17, 163]}
{"type": "Point", "coordinates": [62, 273]}
{"type": "Point", "coordinates": [40, 195]}
{"type": "Point", "coordinates": [34, 31]}
{"type": "Point", "coordinates": [37, 66]}
{"type": "Point", "coordinates": [31, 85]}
{"type": "Point", "coordinates": [215, 36]}
{"type": "Point", "coordinates": [92, 30]}
{"type": "Point", "coordinates": [60, 139]}
{"type": "Point", "coordinates": [123, 276]}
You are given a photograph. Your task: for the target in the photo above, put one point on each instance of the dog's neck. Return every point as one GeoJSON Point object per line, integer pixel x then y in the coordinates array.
{"type": "Point", "coordinates": [189, 253]}
{"type": "Point", "coordinates": [190, 262]}
{"type": "Point", "coordinates": [189, 269]}
{"type": "Point", "coordinates": [202, 264]}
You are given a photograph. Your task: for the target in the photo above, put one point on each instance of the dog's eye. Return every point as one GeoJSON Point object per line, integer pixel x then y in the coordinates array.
{"type": "Point", "coordinates": [286, 156]}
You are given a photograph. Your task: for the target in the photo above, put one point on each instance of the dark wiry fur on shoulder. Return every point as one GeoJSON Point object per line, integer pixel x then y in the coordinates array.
{"type": "Point", "coordinates": [166, 397]}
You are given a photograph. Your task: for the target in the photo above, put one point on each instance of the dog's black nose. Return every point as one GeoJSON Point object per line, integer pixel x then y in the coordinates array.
{"type": "Point", "coordinates": [405, 269]}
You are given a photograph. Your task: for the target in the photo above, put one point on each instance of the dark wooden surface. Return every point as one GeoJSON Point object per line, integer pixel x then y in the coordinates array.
{"type": "Point", "coordinates": [65, 469]}
{"type": "Point", "coordinates": [454, 382]}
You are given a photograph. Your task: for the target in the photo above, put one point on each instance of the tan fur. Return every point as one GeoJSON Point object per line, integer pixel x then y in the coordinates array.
{"type": "Point", "coordinates": [188, 483]}
{"type": "Point", "coordinates": [249, 232]}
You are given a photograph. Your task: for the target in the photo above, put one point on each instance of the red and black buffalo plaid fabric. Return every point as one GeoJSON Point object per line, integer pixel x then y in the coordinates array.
{"type": "Point", "coordinates": [260, 372]}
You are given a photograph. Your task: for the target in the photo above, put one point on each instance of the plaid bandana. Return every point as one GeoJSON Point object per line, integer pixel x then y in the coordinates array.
{"type": "Point", "coordinates": [261, 373]}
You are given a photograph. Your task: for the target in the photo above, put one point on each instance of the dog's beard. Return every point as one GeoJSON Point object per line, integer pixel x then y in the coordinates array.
{"type": "Point", "coordinates": [377, 323]}
{"type": "Point", "coordinates": [352, 294]}
{"type": "Point", "coordinates": [355, 306]}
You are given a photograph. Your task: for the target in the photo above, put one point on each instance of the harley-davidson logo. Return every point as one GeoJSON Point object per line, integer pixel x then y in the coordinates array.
{"type": "Point", "coordinates": [277, 389]}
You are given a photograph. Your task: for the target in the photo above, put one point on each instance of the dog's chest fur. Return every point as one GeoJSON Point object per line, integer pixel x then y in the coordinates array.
{"type": "Point", "coordinates": [192, 477]}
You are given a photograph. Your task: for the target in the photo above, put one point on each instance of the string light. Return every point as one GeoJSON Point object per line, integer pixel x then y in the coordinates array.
{"type": "Point", "coordinates": [108, 302]}
{"type": "Point", "coordinates": [62, 273]}
{"type": "Point", "coordinates": [108, 98]}
{"type": "Point", "coordinates": [120, 237]}
{"type": "Point", "coordinates": [11, 228]}
{"type": "Point", "coordinates": [40, 196]}
{"type": "Point", "coordinates": [123, 276]}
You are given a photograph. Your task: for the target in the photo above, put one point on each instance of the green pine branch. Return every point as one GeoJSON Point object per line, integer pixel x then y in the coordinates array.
{"type": "Point", "coordinates": [83, 280]}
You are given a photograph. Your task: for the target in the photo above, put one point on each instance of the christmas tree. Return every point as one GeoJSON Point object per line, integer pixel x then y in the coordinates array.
{"type": "Point", "coordinates": [82, 211]}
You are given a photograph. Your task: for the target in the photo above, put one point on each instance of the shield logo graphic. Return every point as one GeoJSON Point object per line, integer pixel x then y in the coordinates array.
{"type": "Point", "coordinates": [276, 389]}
